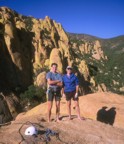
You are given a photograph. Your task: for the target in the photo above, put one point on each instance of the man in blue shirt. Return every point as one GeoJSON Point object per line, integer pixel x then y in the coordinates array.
{"type": "Point", "coordinates": [54, 80]}
{"type": "Point", "coordinates": [70, 90]}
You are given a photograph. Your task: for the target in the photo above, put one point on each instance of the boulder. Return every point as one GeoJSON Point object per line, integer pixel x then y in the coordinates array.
{"type": "Point", "coordinates": [5, 115]}
{"type": "Point", "coordinates": [41, 80]}
{"type": "Point", "coordinates": [90, 106]}
{"type": "Point", "coordinates": [94, 130]}
{"type": "Point", "coordinates": [55, 57]}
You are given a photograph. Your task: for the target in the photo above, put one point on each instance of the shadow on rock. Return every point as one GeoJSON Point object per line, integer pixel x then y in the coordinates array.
{"type": "Point", "coordinates": [106, 115]}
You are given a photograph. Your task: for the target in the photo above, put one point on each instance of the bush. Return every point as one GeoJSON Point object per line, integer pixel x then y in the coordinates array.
{"type": "Point", "coordinates": [33, 96]}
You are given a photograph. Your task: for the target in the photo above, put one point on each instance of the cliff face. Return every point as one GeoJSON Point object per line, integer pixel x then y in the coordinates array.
{"type": "Point", "coordinates": [104, 59]}
{"type": "Point", "coordinates": [28, 46]}
{"type": "Point", "coordinates": [16, 51]}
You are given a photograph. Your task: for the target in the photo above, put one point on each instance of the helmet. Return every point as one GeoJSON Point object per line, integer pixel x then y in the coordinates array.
{"type": "Point", "coordinates": [31, 131]}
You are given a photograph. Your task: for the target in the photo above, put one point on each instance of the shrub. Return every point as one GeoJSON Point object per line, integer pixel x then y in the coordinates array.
{"type": "Point", "coordinates": [33, 95]}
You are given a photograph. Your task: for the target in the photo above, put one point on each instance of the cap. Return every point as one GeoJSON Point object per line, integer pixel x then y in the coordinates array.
{"type": "Point", "coordinates": [69, 67]}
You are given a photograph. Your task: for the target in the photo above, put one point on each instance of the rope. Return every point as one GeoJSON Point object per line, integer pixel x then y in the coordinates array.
{"type": "Point", "coordinates": [23, 139]}
{"type": "Point", "coordinates": [48, 133]}
{"type": "Point", "coordinates": [46, 139]}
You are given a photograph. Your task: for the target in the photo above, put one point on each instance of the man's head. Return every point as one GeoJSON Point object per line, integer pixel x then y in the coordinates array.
{"type": "Point", "coordinates": [69, 69]}
{"type": "Point", "coordinates": [54, 67]}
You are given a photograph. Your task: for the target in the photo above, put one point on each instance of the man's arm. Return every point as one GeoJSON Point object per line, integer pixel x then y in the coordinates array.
{"type": "Point", "coordinates": [77, 88]}
{"type": "Point", "coordinates": [77, 84]}
{"type": "Point", "coordinates": [53, 81]}
{"type": "Point", "coordinates": [62, 93]}
{"type": "Point", "coordinates": [59, 84]}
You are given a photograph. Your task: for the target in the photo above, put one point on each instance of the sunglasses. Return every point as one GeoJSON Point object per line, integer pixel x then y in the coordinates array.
{"type": "Point", "coordinates": [69, 68]}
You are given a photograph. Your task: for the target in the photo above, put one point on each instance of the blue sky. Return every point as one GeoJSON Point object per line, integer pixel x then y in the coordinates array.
{"type": "Point", "coordinates": [101, 18]}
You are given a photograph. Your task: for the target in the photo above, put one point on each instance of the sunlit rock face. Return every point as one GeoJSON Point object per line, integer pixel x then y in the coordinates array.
{"type": "Point", "coordinates": [28, 46]}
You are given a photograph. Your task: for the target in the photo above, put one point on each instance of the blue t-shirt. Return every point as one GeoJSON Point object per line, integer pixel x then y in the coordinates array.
{"type": "Point", "coordinates": [70, 83]}
{"type": "Point", "coordinates": [53, 76]}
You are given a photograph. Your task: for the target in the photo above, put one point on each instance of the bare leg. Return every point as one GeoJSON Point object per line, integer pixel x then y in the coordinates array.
{"type": "Point", "coordinates": [69, 108]}
{"type": "Point", "coordinates": [50, 103]}
{"type": "Point", "coordinates": [57, 110]}
{"type": "Point", "coordinates": [78, 109]}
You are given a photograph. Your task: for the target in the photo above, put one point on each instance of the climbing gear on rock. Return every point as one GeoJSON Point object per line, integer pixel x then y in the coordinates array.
{"type": "Point", "coordinates": [49, 133]}
{"type": "Point", "coordinates": [31, 131]}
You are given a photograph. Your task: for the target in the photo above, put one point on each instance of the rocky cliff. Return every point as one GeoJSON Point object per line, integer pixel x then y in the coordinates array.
{"type": "Point", "coordinates": [28, 46]}
{"type": "Point", "coordinates": [104, 58]}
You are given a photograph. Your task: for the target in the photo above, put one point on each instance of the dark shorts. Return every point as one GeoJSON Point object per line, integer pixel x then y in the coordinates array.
{"type": "Point", "coordinates": [71, 95]}
{"type": "Point", "coordinates": [51, 94]}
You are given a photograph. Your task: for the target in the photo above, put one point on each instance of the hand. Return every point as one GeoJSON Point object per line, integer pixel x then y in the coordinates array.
{"type": "Point", "coordinates": [59, 84]}
{"type": "Point", "coordinates": [63, 95]}
{"type": "Point", "coordinates": [76, 95]}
